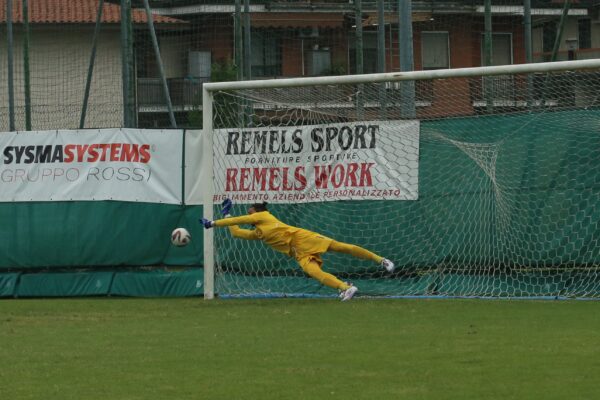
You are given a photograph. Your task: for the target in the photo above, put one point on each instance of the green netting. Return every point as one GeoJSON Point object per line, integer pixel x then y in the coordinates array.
{"type": "Point", "coordinates": [553, 187]}
{"type": "Point", "coordinates": [508, 206]}
{"type": "Point", "coordinates": [188, 282]}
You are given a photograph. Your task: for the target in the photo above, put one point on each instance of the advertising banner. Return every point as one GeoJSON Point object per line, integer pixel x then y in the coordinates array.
{"type": "Point", "coordinates": [106, 164]}
{"type": "Point", "coordinates": [373, 160]}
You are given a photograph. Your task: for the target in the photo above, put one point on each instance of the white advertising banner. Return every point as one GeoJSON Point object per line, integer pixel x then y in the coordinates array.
{"type": "Point", "coordinates": [107, 164]}
{"type": "Point", "coordinates": [194, 178]}
{"type": "Point", "coordinates": [373, 160]}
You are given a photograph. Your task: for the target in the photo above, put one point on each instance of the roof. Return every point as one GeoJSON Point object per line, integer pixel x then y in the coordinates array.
{"type": "Point", "coordinates": [75, 12]}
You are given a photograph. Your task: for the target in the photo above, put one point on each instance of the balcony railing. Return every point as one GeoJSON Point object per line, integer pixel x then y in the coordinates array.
{"type": "Point", "coordinates": [185, 93]}
{"type": "Point", "coordinates": [564, 55]}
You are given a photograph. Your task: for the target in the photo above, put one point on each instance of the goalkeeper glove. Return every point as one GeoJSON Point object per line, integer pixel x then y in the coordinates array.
{"type": "Point", "coordinates": [207, 223]}
{"type": "Point", "coordinates": [226, 206]}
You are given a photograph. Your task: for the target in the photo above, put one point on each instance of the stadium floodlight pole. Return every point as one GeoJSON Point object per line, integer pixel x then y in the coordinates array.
{"type": "Point", "coordinates": [381, 54]}
{"type": "Point", "coordinates": [359, 57]}
{"type": "Point", "coordinates": [559, 31]}
{"type": "Point", "coordinates": [488, 87]}
{"type": "Point", "coordinates": [88, 82]}
{"type": "Point", "coordinates": [528, 48]}
{"type": "Point", "coordinates": [405, 40]}
{"type": "Point", "coordinates": [247, 41]}
{"type": "Point", "coordinates": [237, 22]}
{"type": "Point", "coordinates": [247, 58]}
{"type": "Point", "coordinates": [11, 88]}
{"type": "Point", "coordinates": [161, 70]}
{"type": "Point", "coordinates": [555, 47]}
{"type": "Point", "coordinates": [26, 71]}
{"type": "Point", "coordinates": [127, 73]}
{"type": "Point", "coordinates": [208, 90]}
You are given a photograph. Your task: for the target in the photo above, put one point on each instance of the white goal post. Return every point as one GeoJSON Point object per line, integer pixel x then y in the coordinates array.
{"type": "Point", "coordinates": [209, 90]}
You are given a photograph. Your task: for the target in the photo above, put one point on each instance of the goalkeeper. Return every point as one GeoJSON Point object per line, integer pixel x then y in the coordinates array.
{"type": "Point", "coordinates": [303, 245]}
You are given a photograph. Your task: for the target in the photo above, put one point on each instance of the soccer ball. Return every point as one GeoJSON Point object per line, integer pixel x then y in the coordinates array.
{"type": "Point", "coordinates": [180, 237]}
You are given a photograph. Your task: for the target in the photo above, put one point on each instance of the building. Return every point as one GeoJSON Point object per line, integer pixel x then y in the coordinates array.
{"type": "Point", "coordinates": [202, 40]}
{"type": "Point", "coordinates": [293, 39]}
{"type": "Point", "coordinates": [60, 44]}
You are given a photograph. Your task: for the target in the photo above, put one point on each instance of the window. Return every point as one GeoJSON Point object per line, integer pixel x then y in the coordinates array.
{"type": "Point", "coordinates": [501, 49]}
{"type": "Point", "coordinates": [434, 50]}
{"type": "Point", "coordinates": [369, 53]}
{"type": "Point", "coordinates": [548, 36]}
{"type": "Point", "coordinates": [498, 87]}
{"type": "Point", "coordinates": [319, 61]}
{"type": "Point", "coordinates": [584, 33]}
{"type": "Point", "coordinates": [266, 54]}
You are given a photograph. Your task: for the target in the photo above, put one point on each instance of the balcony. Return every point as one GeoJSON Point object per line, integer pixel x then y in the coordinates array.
{"type": "Point", "coordinates": [575, 89]}
{"type": "Point", "coordinates": [564, 55]}
{"type": "Point", "coordinates": [185, 93]}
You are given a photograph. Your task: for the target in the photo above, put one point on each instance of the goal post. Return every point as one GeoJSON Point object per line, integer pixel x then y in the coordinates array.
{"type": "Point", "coordinates": [497, 198]}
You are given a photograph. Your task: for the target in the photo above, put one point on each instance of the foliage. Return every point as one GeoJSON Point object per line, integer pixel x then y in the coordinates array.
{"type": "Point", "coordinates": [337, 68]}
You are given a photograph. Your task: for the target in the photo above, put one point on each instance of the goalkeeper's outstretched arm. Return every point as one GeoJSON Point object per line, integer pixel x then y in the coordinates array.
{"type": "Point", "coordinates": [248, 234]}
{"type": "Point", "coordinates": [233, 222]}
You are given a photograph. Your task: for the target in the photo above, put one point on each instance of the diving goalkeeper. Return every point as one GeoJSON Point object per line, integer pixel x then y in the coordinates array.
{"type": "Point", "coordinates": [303, 245]}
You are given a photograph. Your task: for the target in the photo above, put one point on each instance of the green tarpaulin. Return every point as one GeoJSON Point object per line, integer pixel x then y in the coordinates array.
{"type": "Point", "coordinates": [159, 283]}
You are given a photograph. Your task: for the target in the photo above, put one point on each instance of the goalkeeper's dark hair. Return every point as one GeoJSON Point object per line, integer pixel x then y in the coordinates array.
{"type": "Point", "coordinates": [258, 207]}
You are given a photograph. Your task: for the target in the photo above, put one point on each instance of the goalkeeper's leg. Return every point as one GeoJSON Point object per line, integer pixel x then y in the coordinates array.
{"type": "Point", "coordinates": [360, 252]}
{"type": "Point", "coordinates": [313, 269]}
{"type": "Point", "coordinates": [355, 251]}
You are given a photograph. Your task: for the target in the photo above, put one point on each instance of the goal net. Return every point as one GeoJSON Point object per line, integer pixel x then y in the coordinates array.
{"type": "Point", "coordinates": [482, 182]}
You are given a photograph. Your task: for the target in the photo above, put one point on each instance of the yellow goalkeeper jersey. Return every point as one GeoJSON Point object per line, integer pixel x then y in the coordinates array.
{"type": "Point", "coordinates": [295, 242]}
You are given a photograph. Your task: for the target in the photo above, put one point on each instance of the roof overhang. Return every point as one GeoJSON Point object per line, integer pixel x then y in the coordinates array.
{"type": "Point", "coordinates": [297, 20]}
{"type": "Point", "coordinates": [518, 10]}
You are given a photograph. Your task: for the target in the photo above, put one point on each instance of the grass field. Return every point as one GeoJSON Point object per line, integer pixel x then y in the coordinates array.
{"type": "Point", "coordinates": [298, 349]}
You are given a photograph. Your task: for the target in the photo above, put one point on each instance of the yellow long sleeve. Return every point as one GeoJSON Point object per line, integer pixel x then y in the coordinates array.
{"type": "Point", "coordinates": [267, 228]}
{"type": "Point", "coordinates": [248, 234]}
{"type": "Point", "coordinates": [250, 219]}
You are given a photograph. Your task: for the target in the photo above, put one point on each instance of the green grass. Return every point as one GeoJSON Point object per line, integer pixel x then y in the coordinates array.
{"type": "Point", "coordinates": [298, 349]}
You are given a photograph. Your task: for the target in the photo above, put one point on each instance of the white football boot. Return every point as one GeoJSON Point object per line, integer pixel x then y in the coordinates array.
{"type": "Point", "coordinates": [348, 293]}
{"type": "Point", "coordinates": [388, 265]}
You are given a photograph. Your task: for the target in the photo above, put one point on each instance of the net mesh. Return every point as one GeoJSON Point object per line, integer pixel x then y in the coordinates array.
{"type": "Point", "coordinates": [200, 41]}
{"type": "Point", "coordinates": [508, 189]}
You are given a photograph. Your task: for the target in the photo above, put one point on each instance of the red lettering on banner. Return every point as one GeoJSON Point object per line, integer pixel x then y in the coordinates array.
{"type": "Point", "coordinates": [93, 154]}
{"type": "Point", "coordinates": [115, 148]}
{"type": "Point", "coordinates": [272, 177]}
{"type": "Point", "coordinates": [260, 179]}
{"type": "Point", "coordinates": [244, 175]}
{"type": "Point", "coordinates": [103, 147]}
{"type": "Point", "coordinates": [286, 185]}
{"type": "Point", "coordinates": [365, 174]}
{"type": "Point", "coordinates": [300, 178]}
{"type": "Point", "coordinates": [231, 185]}
{"type": "Point", "coordinates": [351, 180]}
{"type": "Point", "coordinates": [321, 176]}
{"type": "Point", "coordinates": [129, 152]}
{"type": "Point", "coordinates": [340, 175]}
{"type": "Point", "coordinates": [144, 153]}
{"type": "Point", "coordinates": [69, 156]}
{"type": "Point", "coordinates": [81, 149]}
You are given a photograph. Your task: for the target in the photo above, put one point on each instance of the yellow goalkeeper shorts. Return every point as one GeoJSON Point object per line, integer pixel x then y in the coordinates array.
{"type": "Point", "coordinates": [306, 246]}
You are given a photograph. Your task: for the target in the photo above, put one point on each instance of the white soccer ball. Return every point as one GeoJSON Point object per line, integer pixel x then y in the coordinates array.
{"type": "Point", "coordinates": [180, 237]}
